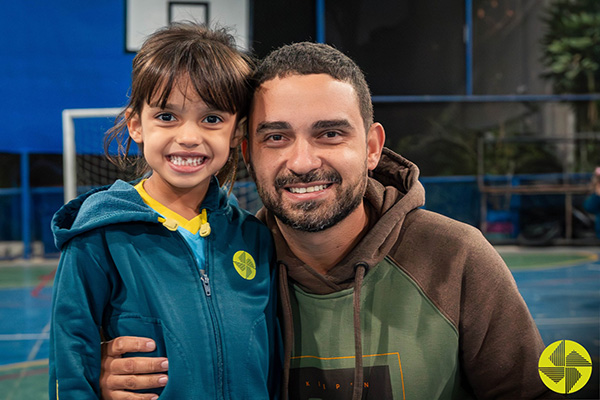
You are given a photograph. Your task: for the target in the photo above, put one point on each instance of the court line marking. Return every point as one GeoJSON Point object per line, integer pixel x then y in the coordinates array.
{"type": "Point", "coordinates": [568, 321]}
{"type": "Point", "coordinates": [21, 365]}
{"type": "Point", "coordinates": [18, 377]}
{"type": "Point", "coordinates": [580, 257]}
{"type": "Point", "coordinates": [36, 347]}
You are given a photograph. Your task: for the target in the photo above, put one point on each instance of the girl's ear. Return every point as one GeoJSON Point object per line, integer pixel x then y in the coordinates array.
{"type": "Point", "coordinates": [238, 134]}
{"type": "Point", "coordinates": [134, 126]}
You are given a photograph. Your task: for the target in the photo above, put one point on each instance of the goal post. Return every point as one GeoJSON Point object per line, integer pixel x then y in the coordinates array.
{"type": "Point", "coordinates": [70, 146]}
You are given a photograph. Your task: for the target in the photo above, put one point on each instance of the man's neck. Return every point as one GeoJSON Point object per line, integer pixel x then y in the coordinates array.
{"type": "Point", "coordinates": [323, 250]}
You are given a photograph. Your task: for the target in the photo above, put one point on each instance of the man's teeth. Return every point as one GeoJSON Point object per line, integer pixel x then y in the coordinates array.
{"type": "Point", "coordinates": [187, 161]}
{"type": "Point", "coordinates": [309, 189]}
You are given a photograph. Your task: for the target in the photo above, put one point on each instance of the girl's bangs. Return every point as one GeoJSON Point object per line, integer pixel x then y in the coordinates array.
{"type": "Point", "coordinates": [219, 79]}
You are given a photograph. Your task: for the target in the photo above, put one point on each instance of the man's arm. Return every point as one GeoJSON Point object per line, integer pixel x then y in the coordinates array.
{"type": "Point", "coordinates": [500, 343]}
{"type": "Point", "coordinates": [119, 375]}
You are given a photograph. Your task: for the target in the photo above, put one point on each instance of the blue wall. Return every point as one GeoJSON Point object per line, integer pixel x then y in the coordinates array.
{"type": "Point", "coordinates": [56, 55]}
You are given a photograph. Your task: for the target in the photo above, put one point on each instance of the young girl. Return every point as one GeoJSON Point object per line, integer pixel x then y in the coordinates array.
{"type": "Point", "coordinates": [169, 257]}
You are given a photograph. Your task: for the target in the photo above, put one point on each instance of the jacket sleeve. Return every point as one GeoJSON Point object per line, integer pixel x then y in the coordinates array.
{"type": "Point", "coordinates": [81, 291]}
{"type": "Point", "coordinates": [499, 341]}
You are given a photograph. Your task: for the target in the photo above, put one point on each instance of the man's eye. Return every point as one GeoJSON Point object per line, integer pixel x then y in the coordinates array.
{"type": "Point", "coordinates": [275, 138]}
{"type": "Point", "coordinates": [331, 134]}
{"type": "Point", "coordinates": [165, 117]}
{"type": "Point", "coordinates": [213, 119]}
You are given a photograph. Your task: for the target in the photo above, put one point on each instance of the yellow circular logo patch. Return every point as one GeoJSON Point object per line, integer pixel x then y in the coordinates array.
{"type": "Point", "coordinates": [244, 264]}
{"type": "Point", "coordinates": [565, 366]}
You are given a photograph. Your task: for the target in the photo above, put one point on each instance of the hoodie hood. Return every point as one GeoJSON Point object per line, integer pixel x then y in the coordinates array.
{"type": "Point", "coordinates": [393, 190]}
{"type": "Point", "coordinates": [117, 203]}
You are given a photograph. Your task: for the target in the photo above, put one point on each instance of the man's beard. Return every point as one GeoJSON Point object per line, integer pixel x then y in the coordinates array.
{"type": "Point", "coordinates": [312, 215]}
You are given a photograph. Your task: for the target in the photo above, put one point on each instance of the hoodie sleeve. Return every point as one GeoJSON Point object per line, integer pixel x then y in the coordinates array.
{"type": "Point", "coordinates": [81, 291]}
{"type": "Point", "coordinates": [500, 343]}
{"type": "Point", "coordinates": [462, 273]}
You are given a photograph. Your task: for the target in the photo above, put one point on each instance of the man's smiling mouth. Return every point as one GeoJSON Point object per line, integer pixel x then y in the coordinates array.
{"type": "Point", "coordinates": [311, 182]}
{"type": "Point", "coordinates": [309, 189]}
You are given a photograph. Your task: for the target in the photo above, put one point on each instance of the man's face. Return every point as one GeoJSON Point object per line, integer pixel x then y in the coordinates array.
{"type": "Point", "coordinates": [309, 152]}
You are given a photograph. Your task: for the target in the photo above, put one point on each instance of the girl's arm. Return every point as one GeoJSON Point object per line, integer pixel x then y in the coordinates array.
{"type": "Point", "coordinates": [81, 292]}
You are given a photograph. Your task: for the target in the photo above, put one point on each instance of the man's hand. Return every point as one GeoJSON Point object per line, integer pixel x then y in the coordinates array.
{"type": "Point", "coordinates": [120, 375]}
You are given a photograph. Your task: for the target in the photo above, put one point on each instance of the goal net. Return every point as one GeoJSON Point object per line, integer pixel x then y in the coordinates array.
{"type": "Point", "coordinates": [85, 166]}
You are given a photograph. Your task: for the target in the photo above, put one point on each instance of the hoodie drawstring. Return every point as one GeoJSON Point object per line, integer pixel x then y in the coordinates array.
{"type": "Point", "coordinates": [288, 331]}
{"type": "Point", "coordinates": [358, 356]}
{"type": "Point", "coordinates": [360, 271]}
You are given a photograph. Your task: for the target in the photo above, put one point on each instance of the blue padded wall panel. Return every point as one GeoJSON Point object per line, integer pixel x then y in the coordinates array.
{"type": "Point", "coordinates": [56, 55]}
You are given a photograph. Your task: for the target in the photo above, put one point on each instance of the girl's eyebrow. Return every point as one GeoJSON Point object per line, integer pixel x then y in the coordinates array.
{"type": "Point", "coordinates": [176, 107]}
{"type": "Point", "coordinates": [167, 106]}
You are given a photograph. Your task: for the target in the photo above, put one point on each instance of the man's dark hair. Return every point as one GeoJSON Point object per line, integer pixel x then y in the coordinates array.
{"type": "Point", "coordinates": [307, 58]}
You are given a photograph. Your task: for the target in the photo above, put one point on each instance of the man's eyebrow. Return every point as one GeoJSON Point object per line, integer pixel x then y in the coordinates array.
{"type": "Point", "coordinates": [333, 123]}
{"type": "Point", "coordinates": [271, 126]}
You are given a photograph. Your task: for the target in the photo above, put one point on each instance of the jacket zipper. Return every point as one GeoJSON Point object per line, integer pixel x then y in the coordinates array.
{"type": "Point", "coordinates": [211, 308]}
{"type": "Point", "coordinates": [204, 232]}
{"type": "Point", "coordinates": [217, 333]}
{"type": "Point", "coordinates": [205, 282]}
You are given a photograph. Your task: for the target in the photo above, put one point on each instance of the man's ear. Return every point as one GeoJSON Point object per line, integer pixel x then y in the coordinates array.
{"type": "Point", "coordinates": [134, 126]}
{"type": "Point", "coordinates": [375, 142]}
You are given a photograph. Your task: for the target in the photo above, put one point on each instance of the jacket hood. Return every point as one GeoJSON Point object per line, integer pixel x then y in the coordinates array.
{"type": "Point", "coordinates": [393, 190]}
{"type": "Point", "coordinates": [113, 204]}
{"type": "Point", "coordinates": [107, 205]}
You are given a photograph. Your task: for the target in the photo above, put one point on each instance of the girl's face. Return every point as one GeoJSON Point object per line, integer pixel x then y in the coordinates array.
{"type": "Point", "coordinates": [184, 143]}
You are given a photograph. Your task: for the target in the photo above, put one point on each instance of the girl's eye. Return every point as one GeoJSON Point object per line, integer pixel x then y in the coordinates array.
{"type": "Point", "coordinates": [165, 117]}
{"type": "Point", "coordinates": [213, 119]}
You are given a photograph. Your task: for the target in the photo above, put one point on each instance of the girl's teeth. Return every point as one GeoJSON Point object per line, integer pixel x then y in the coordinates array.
{"type": "Point", "coordinates": [187, 161]}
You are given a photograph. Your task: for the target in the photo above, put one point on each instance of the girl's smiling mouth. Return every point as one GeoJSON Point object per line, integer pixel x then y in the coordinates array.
{"type": "Point", "coordinates": [186, 161]}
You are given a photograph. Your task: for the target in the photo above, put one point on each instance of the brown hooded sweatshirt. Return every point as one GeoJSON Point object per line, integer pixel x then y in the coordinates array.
{"type": "Point", "coordinates": [422, 308]}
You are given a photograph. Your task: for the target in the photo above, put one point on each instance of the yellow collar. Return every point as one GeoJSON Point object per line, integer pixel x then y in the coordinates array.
{"type": "Point", "coordinates": [171, 219]}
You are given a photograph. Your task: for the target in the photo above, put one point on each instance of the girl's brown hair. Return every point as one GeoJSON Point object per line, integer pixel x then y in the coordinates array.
{"type": "Point", "coordinates": [218, 71]}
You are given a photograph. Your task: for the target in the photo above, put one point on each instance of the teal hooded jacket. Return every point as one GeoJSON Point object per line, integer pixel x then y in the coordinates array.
{"type": "Point", "coordinates": [123, 273]}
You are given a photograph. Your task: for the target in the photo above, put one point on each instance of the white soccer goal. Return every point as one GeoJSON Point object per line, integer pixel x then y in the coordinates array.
{"type": "Point", "coordinates": [85, 166]}
{"type": "Point", "coordinates": [82, 141]}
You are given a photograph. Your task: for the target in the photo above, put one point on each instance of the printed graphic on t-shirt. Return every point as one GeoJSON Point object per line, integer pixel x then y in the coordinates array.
{"type": "Point", "coordinates": [314, 383]}
{"type": "Point", "coordinates": [313, 377]}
